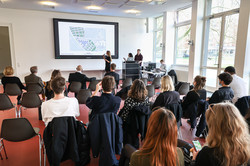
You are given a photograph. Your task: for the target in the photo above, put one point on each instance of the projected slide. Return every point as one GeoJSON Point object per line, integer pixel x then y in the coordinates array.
{"type": "Point", "coordinates": [84, 39]}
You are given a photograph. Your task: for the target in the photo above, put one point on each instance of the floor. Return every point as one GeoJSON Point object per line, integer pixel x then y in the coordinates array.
{"type": "Point", "coordinates": [26, 152]}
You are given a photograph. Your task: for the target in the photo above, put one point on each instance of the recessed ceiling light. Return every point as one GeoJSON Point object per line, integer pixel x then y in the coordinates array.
{"type": "Point", "coordinates": [48, 3]}
{"type": "Point", "coordinates": [133, 11]}
{"type": "Point", "coordinates": [93, 7]}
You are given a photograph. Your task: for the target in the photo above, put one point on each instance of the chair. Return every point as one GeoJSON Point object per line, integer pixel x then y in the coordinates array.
{"type": "Point", "coordinates": [184, 88]}
{"type": "Point", "coordinates": [92, 85]}
{"type": "Point", "coordinates": [157, 82]}
{"type": "Point", "coordinates": [127, 82]}
{"type": "Point", "coordinates": [12, 90]}
{"type": "Point", "coordinates": [75, 86]}
{"type": "Point", "coordinates": [83, 95]}
{"type": "Point", "coordinates": [17, 130]}
{"type": "Point", "coordinates": [173, 79]}
{"type": "Point", "coordinates": [35, 87]}
{"type": "Point", "coordinates": [151, 90]}
{"type": "Point", "coordinates": [29, 100]}
{"type": "Point", "coordinates": [5, 103]}
{"type": "Point", "coordinates": [145, 80]}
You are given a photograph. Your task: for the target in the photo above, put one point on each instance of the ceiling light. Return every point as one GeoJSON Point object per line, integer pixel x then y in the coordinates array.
{"type": "Point", "coordinates": [48, 3]}
{"type": "Point", "coordinates": [92, 7]}
{"type": "Point", "coordinates": [133, 11]}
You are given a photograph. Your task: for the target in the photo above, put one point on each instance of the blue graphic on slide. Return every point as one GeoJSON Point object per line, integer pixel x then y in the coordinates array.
{"type": "Point", "coordinates": [87, 39]}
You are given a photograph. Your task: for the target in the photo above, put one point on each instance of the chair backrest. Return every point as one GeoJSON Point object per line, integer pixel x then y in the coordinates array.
{"type": "Point", "coordinates": [173, 79]}
{"type": "Point", "coordinates": [151, 90]}
{"type": "Point", "coordinates": [5, 103]}
{"type": "Point", "coordinates": [127, 82]}
{"type": "Point", "coordinates": [75, 86]}
{"type": "Point", "coordinates": [12, 89]}
{"type": "Point", "coordinates": [92, 85]}
{"type": "Point", "coordinates": [243, 104]}
{"type": "Point", "coordinates": [17, 129]}
{"type": "Point", "coordinates": [184, 88]}
{"type": "Point", "coordinates": [176, 109]}
{"type": "Point", "coordinates": [31, 100]}
{"type": "Point", "coordinates": [157, 82]}
{"type": "Point", "coordinates": [35, 87]}
{"type": "Point", "coordinates": [145, 80]}
{"type": "Point", "coordinates": [83, 95]}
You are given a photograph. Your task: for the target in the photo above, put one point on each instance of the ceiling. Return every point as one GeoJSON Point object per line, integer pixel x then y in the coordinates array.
{"type": "Point", "coordinates": [148, 8]}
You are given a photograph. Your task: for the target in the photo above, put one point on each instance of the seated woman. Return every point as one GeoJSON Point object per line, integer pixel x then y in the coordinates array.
{"type": "Point", "coordinates": [107, 102]}
{"type": "Point", "coordinates": [160, 146]}
{"type": "Point", "coordinates": [137, 95]}
{"type": "Point", "coordinates": [59, 105]}
{"type": "Point", "coordinates": [228, 139]}
{"type": "Point", "coordinates": [168, 95]}
{"type": "Point", "coordinates": [48, 90]}
{"type": "Point", "coordinates": [193, 96]}
{"type": "Point", "coordinates": [8, 78]}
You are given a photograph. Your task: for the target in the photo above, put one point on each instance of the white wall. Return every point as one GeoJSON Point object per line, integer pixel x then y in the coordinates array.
{"type": "Point", "coordinates": [32, 40]}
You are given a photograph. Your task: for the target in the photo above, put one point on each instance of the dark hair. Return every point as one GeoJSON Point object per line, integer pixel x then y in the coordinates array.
{"type": "Point", "coordinates": [200, 83]}
{"type": "Point", "coordinates": [113, 66]}
{"type": "Point", "coordinates": [58, 85]}
{"type": "Point", "coordinates": [230, 69]}
{"type": "Point", "coordinates": [162, 60]}
{"type": "Point", "coordinates": [33, 69]}
{"type": "Point", "coordinates": [54, 74]}
{"type": "Point", "coordinates": [138, 49]}
{"type": "Point", "coordinates": [130, 55]}
{"type": "Point", "coordinates": [226, 78]}
{"type": "Point", "coordinates": [138, 90]}
{"type": "Point", "coordinates": [108, 83]}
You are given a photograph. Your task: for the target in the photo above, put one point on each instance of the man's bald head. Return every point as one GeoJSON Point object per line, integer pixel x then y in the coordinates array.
{"type": "Point", "coordinates": [79, 68]}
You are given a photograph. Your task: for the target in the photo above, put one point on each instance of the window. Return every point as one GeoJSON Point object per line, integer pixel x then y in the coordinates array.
{"type": "Point", "coordinates": [158, 36]}
{"type": "Point", "coordinates": [183, 31]}
{"type": "Point", "coordinates": [220, 38]}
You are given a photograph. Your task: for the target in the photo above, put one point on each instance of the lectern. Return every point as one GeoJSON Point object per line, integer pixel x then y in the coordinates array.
{"type": "Point", "coordinates": [131, 69]}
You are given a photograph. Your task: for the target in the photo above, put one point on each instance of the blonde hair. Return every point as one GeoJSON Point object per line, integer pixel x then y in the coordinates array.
{"type": "Point", "coordinates": [8, 71]}
{"type": "Point", "coordinates": [228, 134]}
{"type": "Point", "coordinates": [167, 84]}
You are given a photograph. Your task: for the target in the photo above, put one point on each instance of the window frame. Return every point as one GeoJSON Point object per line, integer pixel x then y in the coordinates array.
{"type": "Point", "coordinates": [156, 29]}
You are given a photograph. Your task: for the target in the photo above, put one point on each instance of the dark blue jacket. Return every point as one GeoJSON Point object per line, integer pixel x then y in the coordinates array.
{"type": "Point", "coordinates": [105, 131]}
{"type": "Point", "coordinates": [222, 94]}
{"type": "Point", "coordinates": [243, 104]}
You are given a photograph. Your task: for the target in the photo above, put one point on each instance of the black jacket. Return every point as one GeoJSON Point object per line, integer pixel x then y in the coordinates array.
{"type": "Point", "coordinates": [222, 94]}
{"type": "Point", "coordinates": [243, 104]}
{"type": "Point", "coordinates": [135, 124]}
{"type": "Point", "coordinates": [65, 139]}
{"type": "Point", "coordinates": [173, 73]}
{"type": "Point", "coordinates": [193, 96]}
{"type": "Point", "coordinates": [177, 111]}
{"type": "Point", "coordinates": [165, 98]}
{"type": "Point", "coordinates": [78, 77]}
{"type": "Point", "coordinates": [105, 131]}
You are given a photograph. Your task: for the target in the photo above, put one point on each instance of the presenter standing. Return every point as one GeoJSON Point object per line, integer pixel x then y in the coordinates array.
{"type": "Point", "coordinates": [139, 57]}
{"type": "Point", "coordinates": [108, 60]}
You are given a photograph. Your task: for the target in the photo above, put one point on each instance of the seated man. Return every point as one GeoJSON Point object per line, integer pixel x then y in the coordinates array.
{"type": "Point", "coordinates": [59, 105]}
{"type": "Point", "coordinates": [238, 85]}
{"type": "Point", "coordinates": [107, 102]}
{"type": "Point", "coordinates": [163, 66]}
{"type": "Point", "coordinates": [33, 78]}
{"type": "Point", "coordinates": [225, 93]}
{"type": "Point", "coordinates": [114, 74]}
{"type": "Point", "coordinates": [79, 77]}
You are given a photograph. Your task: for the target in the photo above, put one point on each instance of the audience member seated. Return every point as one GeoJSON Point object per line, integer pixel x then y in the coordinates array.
{"type": "Point", "coordinates": [59, 105]}
{"type": "Point", "coordinates": [48, 90]}
{"type": "Point", "coordinates": [137, 95]}
{"type": "Point", "coordinates": [225, 93]}
{"type": "Point", "coordinates": [113, 73]}
{"type": "Point", "coordinates": [168, 95]}
{"type": "Point", "coordinates": [238, 85]}
{"type": "Point", "coordinates": [107, 102]}
{"type": "Point", "coordinates": [8, 78]}
{"type": "Point", "coordinates": [160, 146]}
{"type": "Point", "coordinates": [228, 139]}
{"type": "Point", "coordinates": [163, 66]}
{"type": "Point", "coordinates": [190, 102]}
{"type": "Point", "coordinates": [33, 78]}
{"type": "Point", "coordinates": [79, 77]}
{"type": "Point", "coordinates": [123, 93]}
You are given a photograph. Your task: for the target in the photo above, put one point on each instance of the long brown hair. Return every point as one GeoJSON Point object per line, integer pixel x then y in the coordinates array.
{"type": "Point", "coordinates": [200, 83]}
{"type": "Point", "coordinates": [109, 54]}
{"type": "Point", "coordinates": [138, 90]}
{"type": "Point", "coordinates": [54, 74]}
{"type": "Point", "coordinates": [228, 134]}
{"type": "Point", "coordinates": [161, 139]}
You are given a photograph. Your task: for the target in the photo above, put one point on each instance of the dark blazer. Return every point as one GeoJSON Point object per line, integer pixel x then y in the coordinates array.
{"type": "Point", "coordinates": [64, 139]}
{"type": "Point", "coordinates": [193, 96]}
{"type": "Point", "coordinates": [243, 104]}
{"type": "Point", "coordinates": [173, 73]}
{"type": "Point", "coordinates": [165, 98]}
{"type": "Point", "coordinates": [32, 78]}
{"type": "Point", "coordinates": [105, 131]}
{"type": "Point", "coordinates": [78, 77]}
{"type": "Point", "coordinates": [116, 77]}
{"type": "Point", "coordinates": [222, 94]}
{"type": "Point", "coordinates": [12, 80]}
{"type": "Point", "coordinates": [207, 157]}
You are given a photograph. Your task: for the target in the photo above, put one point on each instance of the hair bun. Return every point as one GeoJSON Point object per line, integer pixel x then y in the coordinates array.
{"type": "Point", "coordinates": [203, 79]}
